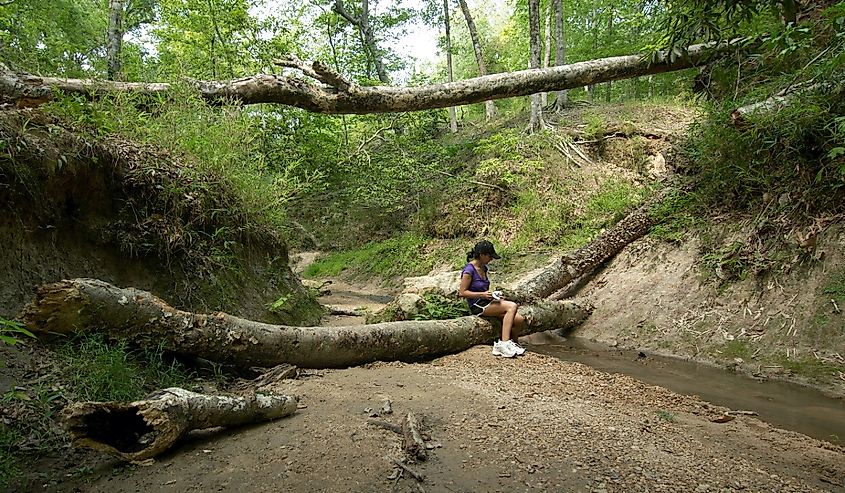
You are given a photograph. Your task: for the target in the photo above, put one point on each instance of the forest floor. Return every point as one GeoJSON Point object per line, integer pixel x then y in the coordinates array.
{"type": "Point", "coordinates": [533, 423]}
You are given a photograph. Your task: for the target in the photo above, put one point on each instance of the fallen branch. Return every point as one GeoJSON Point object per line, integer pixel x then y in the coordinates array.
{"type": "Point", "coordinates": [419, 477]}
{"type": "Point", "coordinates": [386, 426]}
{"type": "Point", "coordinates": [142, 318]}
{"type": "Point", "coordinates": [413, 444]}
{"type": "Point", "coordinates": [544, 282]}
{"type": "Point", "coordinates": [140, 430]}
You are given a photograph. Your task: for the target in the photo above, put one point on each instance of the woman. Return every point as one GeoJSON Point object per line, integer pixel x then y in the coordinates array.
{"type": "Point", "coordinates": [475, 287]}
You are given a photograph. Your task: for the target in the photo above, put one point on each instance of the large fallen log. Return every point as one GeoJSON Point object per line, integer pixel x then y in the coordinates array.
{"type": "Point", "coordinates": [140, 430]}
{"type": "Point", "coordinates": [333, 94]}
{"type": "Point", "coordinates": [138, 316]}
{"type": "Point", "coordinates": [543, 282]}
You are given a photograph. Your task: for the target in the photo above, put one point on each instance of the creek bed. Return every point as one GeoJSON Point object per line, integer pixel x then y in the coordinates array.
{"type": "Point", "coordinates": [782, 404]}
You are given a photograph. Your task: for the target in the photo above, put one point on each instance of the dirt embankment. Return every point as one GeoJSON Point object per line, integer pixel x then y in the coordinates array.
{"type": "Point", "coordinates": [78, 205]}
{"type": "Point", "coordinates": [789, 324]}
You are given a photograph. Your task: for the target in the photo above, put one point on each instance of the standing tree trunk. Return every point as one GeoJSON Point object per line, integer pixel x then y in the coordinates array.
{"type": "Point", "coordinates": [608, 35]}
{"type": "Point", "coordinates": [489, 106]}
{"type": "Point", "coordinates": [115, 39]}
{"type": "Point", "coordinates": [561, 100]}
{"type": "Point", "coordinates": [547, 51]}
{"type": "Point", "coordinates": [362, 22]}
{"type": "Point", "coordinates": [453, 119]}
{"type": "Point", "coordinates": [536, 121]}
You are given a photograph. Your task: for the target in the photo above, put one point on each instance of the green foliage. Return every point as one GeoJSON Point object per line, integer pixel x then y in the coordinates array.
{"type": "Point", "coordinates": [734, 349]}
{"type": "Point", "coordinates": [10, 463]}
{"type": "Point", "coordinates": [402, 256]}
{"type": "Point", "coordinates": [835, 287]}
{"type": "Point", "coordinates": [438, 307]}
{"type": "Point", "coordinates": [10, 330]}
{"type": "Point", "coordinates": [675, 216]}
{"type": "Point", "coordinates": [53, 37]}
{"type": "Point", "coordinates": [99, 370]}
{"type": "Point", "coordinates": [785, 150]}
{"type": "Point", "coordinates": [665, 416]}
{"type": "Point", "coordinates": [811, 368]}
{"type": "Point", "coordinates": [602, 210]}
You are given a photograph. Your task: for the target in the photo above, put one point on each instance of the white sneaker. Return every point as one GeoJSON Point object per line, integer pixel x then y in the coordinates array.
{"type": "Point", "coordinates": [503, 349]}
{"type": "Point", "coordinates": [519, 350]}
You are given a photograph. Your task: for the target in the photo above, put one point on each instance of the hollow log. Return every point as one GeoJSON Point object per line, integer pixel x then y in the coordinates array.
{"type": "Point", "coordinates": [334, 95]}
{"type": "Point", "coordinates": [78, 305]}
{"type": "Point", "coordinates": [544, 282]}
{"type": "Point", "coordinates": [143, 429]}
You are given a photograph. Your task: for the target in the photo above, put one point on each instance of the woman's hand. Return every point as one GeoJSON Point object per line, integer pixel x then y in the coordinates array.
{"type": "Point", "coordinates": [487, 295]}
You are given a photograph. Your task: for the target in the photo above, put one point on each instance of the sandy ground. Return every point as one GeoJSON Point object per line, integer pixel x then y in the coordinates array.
{"type": "Point", "coordinates": [530, 424]}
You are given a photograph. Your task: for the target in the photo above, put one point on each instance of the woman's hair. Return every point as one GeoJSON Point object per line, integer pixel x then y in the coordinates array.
{"type": "Point", "coordinates": [472, 255]}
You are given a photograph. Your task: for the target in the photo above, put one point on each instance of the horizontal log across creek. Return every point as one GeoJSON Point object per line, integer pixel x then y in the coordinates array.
{"type": "Point", "coordinates": [78, 305]}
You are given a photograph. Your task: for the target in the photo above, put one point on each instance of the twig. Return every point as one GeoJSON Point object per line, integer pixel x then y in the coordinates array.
{"type": "Point", "coordinates": [497, 187]}
{"type": "Point", "coordinates": [414, 445]}
{"type": "Point", "coordinates": [419, 477]}
{"type": "Point", "coordinates": [385, 425]}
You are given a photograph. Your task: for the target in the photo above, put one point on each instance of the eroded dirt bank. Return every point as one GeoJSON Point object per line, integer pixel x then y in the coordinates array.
{"type": "Point", "coordinates": [530, 424]}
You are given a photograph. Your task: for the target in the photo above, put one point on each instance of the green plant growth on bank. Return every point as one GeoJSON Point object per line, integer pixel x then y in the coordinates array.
{"type": "Point", "coordinates": [811, 368]}
{"type": "Point", "coordinates": [398, 257]}
{"type": "Point", "coordinates": [602, 210]}
{"type": "Point", "coordinates": [835, 287]}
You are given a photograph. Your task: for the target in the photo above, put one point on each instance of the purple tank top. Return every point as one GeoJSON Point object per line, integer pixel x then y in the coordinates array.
{"type": "Point", "coordinates": [477, 284]}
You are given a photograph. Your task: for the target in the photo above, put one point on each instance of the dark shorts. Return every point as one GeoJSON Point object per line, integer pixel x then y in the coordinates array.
{"type": "Point", "coordinates": [479, 306]}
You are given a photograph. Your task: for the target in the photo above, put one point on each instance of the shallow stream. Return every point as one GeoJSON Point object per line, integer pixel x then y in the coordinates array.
{"type": "Point", "coordinates": [781, 404]}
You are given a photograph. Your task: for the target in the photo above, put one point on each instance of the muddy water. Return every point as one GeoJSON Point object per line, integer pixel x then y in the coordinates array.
{"type": "Point", "coordinates": [784, 405]}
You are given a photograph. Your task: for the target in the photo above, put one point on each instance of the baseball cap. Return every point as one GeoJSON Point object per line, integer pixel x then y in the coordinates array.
{"type": "Point", "coordinates": [485, 246]}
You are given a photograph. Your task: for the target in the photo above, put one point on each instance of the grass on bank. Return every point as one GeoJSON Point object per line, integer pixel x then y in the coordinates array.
{"type": "Point", "coordinates": [86, 368]}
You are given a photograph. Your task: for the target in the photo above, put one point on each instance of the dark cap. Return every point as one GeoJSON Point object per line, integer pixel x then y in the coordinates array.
{"type": "Point", "coordinates": [485, 246]}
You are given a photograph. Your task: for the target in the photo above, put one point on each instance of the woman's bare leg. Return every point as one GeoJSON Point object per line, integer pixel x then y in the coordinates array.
{"type": "Point", "coordinates": [507, 311]}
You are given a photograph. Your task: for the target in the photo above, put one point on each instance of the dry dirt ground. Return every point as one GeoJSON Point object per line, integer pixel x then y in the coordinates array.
{"type": "Point", "coordinates": [529, 424]}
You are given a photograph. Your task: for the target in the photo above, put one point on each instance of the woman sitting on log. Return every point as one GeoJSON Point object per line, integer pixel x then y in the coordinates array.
{"type": "Point", "coordinates": [475, 287]}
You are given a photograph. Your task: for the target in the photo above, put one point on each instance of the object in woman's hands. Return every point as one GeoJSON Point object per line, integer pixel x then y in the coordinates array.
{"type": "Point", "coordinates": [497, 295]}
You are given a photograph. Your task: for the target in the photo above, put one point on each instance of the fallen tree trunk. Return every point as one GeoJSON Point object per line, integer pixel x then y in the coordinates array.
{"type": "Point", "coordinates": [336, 95]}
{"type": "Point", "coordinates": [142, 429]}
{"type": "Point", "coordinates": [779, 101]}
{"type": "Point", "coordinates": [542, 283]}
{"type": "Point", "coordinates": [138, 316]}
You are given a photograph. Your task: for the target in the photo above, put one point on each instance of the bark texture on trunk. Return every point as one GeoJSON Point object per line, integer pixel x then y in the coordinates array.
{"type": "Point", "coordinates": [362, 22]}
{"type": "Point", "coordinates": [560, 50]}
{"type": "Point", "coordinates": [453, 119]}
{"type": "Point", "coordinates": [115, 39]}
{"type": "Point", "coordinates": [775, 103]}
{"type": "Point", "coordinates": [545, 281]}
{"type": "Point", "coordinates": [536, 122]}
{"type": "Point", "coordinates": [489, 107]}
{"type": "Point", "coordinates": [140, 430]}
{"type": "Point", "coordinates": [142, 318]}
{"type": "Point", "coordinates": [338, 96]}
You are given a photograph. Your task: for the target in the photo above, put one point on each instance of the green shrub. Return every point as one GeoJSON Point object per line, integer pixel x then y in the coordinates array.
{"type": "Point", "coordinates": [441, 308]}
